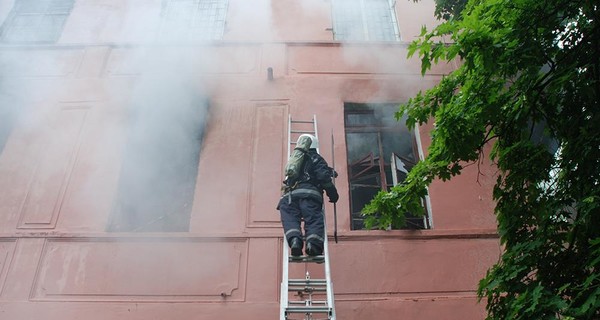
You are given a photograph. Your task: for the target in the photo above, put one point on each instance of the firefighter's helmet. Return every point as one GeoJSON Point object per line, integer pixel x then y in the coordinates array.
{"type": "Point", "coordinates": [314, 142]}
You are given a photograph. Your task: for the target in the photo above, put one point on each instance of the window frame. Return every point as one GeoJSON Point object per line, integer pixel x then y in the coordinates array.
{"type": "Point", "coordinates": [197, 24]}
{"type": "Point", "coordinates": [30, 11]}
{"type": "Point", "coordinates": [372, 166]}
{"type": "Point", "coordinates": [159, 169]}
{"type": "Point", "coordinates": [341, 23]}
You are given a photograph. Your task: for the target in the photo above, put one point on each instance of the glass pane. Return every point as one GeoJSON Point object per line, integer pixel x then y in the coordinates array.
{"type": "Point", "coordinates": [360, 145]}
{"type": "Point", "coordinates": [348, 20]}
{"type": "Point", "coordinates": [194, 19]}
{"type": "Point", "coordinates": [50, 27]}
{"type": "Point", "coordinates": [60, 6]}
{"type": "Point", "coordinates": [360, 119]}
{"type": "Point", "coordinates": [380, 24]}
{"type": "Point", "coordinates": [360, 195]}
{"type": "Point", "coordinates": [370, 127]}
{"type": "Point", "coordinates": [363, 20]}
{"type": "Point", "coordinates": [31, 6]}
{"type": "Point", "coordinates": [400, 143]}
{"type": "Point", "coordinates": [43, 6]}
{"type": "Point", "coordinates": [28, 21]}
{"type": "Point", "coordinates": [36, 20]}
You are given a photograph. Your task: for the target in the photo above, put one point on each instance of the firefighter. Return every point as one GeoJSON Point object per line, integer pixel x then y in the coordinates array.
{"type": "Point", "coordinates": [303, 198]}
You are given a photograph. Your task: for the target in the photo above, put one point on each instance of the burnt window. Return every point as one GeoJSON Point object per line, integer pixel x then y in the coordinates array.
{"type": "Point", "coordinates": [364, 20]}
{"type": "Point", "coordinates": [159, 167]}
{"type": "Point", "coordinates": [193, 20]}
{"type": "Point", "coordinates": [380, 153]}
{"type": "Point", "coordinates": [36, 20]}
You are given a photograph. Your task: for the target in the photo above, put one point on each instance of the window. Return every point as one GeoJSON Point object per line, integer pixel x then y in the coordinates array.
{"type": "Point", "coordinates": [364, 20]}
{"type": "Point", "coordinates": [380, 153]}
{"type": "Point", "coordinates": [540, 136]}
{"type": "Point", "coordinates": [159, 168]}
{"type": "Point", "coordinates": [193, 19]}
{"type": "Point", "coordinates": [36, 20]}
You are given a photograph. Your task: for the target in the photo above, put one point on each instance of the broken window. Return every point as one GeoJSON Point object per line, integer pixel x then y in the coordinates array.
{"type": "Point", "coordinates": [193, 20]}
{"type": "Point", "coordinates": [380, 153]}
{"type": "Point", "coordinates": [36, 20]}
{"type": "Point", "coordinates": [159, 168]}
{"type": "Point", "coordinates": [365, 20]}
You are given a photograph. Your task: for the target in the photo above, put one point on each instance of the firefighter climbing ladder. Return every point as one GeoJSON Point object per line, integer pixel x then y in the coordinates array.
{"type": "Point", "coordinates": [314, 296]}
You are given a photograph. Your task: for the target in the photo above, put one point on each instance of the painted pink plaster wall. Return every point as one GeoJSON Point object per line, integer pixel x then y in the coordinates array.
{"type": "Point", "coordinates": [60, 168]}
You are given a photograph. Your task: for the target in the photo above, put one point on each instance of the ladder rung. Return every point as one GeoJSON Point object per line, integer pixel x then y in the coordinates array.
{"type": "Point", "coordinates": [306, 289]}
{"type": "Point", "coordinates": [298, 282]}
{"type": "Point", "coordinates": [302, 131]}
{"type": "Point", "coordinates": [309, 309]}
{"type": "Point", "coordinates": [317, 259]}
{"type": "Point", "coordinates": [303, 303]}
{"type": "Point", "coordinates": [303, 121]}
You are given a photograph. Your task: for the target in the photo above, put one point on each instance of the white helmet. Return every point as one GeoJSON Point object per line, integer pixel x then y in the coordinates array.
{"type": "Point", "coordinates": [314, 142]}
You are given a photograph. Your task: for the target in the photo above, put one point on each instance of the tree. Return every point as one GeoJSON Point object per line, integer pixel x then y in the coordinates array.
{"type": "Point", "coordinates": [529, 84]}
{"type": "Point", "coordinates": [446, 9]}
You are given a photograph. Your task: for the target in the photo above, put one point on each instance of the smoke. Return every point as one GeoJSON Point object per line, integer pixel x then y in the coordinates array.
{"type": "Point", "coordinates": [161, 99]}
{"type": "Point", "coordinates": [167, 109]}
{"type": "Point", "coordinates": [11, 105]}
{"type": "Point", "coordinates": [393, 136]}
{"type": "Point", "coordinates": [166, 118]}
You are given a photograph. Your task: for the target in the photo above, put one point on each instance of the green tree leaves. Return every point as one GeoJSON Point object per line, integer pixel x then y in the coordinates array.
{"type": "Point", "coordinates": [529, 82]}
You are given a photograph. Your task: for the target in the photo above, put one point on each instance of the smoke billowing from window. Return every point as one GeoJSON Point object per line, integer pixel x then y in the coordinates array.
{"type": "Point", "coordinates": [166, 117]}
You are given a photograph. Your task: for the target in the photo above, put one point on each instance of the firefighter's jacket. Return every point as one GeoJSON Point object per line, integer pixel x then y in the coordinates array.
{"type": "Point", "coordinates": [316, 177]}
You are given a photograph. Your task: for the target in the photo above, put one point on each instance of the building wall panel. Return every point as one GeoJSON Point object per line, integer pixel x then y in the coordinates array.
{"type": "Point", "coordinates": [7, 249]}
{"type": "Point", "coordinates": [126, 269]}
{"type": "Point", "coordinates": [356, 59]}
{"type": "Point", "coordinates": [411, 267]}
{"type": "Point", "coordinates": [269, 144]}
{"type": "Point", "coordinates": [40, 62]}
{"type": "Point", "coordinates": [222, 59]}
{"type": "Point", "coordinates": [57, 155]}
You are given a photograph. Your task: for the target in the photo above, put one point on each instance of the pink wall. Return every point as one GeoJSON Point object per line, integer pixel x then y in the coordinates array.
{"type": "Point", "coordinates": [60, 168]}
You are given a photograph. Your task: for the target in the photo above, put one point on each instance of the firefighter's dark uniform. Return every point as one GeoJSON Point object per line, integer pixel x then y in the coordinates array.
{"type": "Point", "coordinates": [304, 199]}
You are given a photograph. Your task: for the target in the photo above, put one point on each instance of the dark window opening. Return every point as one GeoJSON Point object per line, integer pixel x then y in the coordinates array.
{"type": "Point", "coordinates": [36, 20]}
{"type": "Point", "coordinates": [380, 153]}
{"type": "Point", "coordinates": [159, 169]}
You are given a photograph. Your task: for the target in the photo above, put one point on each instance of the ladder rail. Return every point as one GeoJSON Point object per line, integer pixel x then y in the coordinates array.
{"type": "Point", "coordinates": [286, 251]}
{"type": "Point", "coordinates": [284, 282]}
{"type": "Point", "coordinates": [330, 299]}
{"type": "Point", "coordinates": [326, 306]}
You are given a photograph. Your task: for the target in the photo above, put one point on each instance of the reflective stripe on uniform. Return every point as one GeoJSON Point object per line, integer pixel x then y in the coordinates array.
{"type": "Point", "coordinates": [293, 233]}
{"type": "Point", "coordinates": [298, 192]}
{"type": "Point", "coordinates": [314, 236]}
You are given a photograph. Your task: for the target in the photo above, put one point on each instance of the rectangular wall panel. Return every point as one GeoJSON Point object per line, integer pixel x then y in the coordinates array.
{"type": "Point", "coordinates": [411, 266]}
{"type": "Point", "coordinates": [7, 249]}
{"type": "Point", "coordinates": [269, 140]}
{"type": "Point", "coordinates": [356, 59]}
{"type": "Point", "coordinates": [193, 60]}
{"type": "Point", "coordinates": [142, 270]}
{"type": "Point", "coordinates": [57, 154]}
{"type": "Point", "coordinates": [40, 62]}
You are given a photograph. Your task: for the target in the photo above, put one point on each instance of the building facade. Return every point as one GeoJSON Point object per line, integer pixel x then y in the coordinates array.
{"type": "Point", "coordinates": [142, 144]}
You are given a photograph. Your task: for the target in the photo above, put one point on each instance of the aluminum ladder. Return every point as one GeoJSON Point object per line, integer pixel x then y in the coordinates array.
{"type": "Point", "coordinates": [305, 298]}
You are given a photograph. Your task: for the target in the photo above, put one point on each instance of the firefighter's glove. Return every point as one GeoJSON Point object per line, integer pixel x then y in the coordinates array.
{"type": "Point", "coordinates": [332, 194]}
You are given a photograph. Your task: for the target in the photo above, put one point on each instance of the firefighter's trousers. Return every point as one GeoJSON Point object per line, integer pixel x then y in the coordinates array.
{"type": "Point", "coordinates": [312, 211]}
